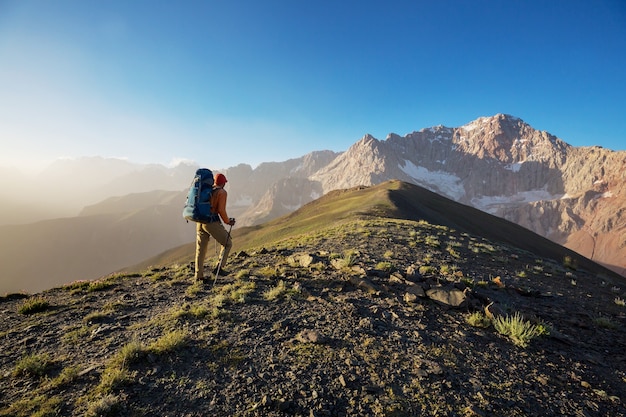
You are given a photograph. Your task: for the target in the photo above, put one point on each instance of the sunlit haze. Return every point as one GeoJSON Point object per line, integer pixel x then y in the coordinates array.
{"type": "Point", "coordinates": [224, 82]}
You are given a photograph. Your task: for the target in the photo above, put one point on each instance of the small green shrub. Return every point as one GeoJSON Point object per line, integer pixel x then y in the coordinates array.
{"type": "Point", "coordinates": [34, 305]}
{"type": "Point", "coordinates": [275, 292]}
{"type": "Point", "coordinates": [76, 286]}
{"type": "Point", "coordinates": [96, 316]}
{"type": "Point", "coordinates": [112, 378]}
{"type": "Point", "coordinates": [158, 277]}
{"type": "Point", "coordinates": [35, 406]}
{"type": "Point", "coordinates": [33, 365]}
{"type": "Point", "coordinates": [106, 405]}
{"type": "Point", "coordinates": [446, 269]}
{"type": "Point", "coordinates": [169, 342]}
{"type": "Point", "coordinates": [268, 271]}
{"type": "Point", "coordinates": [129, 353]}
{"type": "Point", "coordinates": [427, 270]}
{"type": "Point", "coordinates": [198, 311]}
{"type": "Point", "coordinates": [242, 273]}
{"type": "Point", "coordinates": [116, 372]}
{"type": "Point", "coordinates": [478, 319]}
{"type": "Point", "coordinates": [194, 289]}
{"type": "Point", "coordinates": [219, 300]}
{"type": "Point", "coordinates": [519, 330]}
{"type": "Point", "coordinates": [432, 241]}
{"type": "Point", "coordinates": [99, 285]}
{"type": "Point", "coordinates": [280, 290]}
{"type": "Point", "coordinates": [237, 292]}
{"type": "Point", "coordinates": [227, 354]}
{"type": "Point", "coordinates": [66, 376]}
{"type": "Point", "coordinates": [570, 263]}
{"type": "Point", "coordinates": [91, 286]}
{"type": "Point", "coordinates": [241, 292]}
{"type": "Point", "coordinates": [384, 266]}
{"type": "Point", "coordinates": [350, 257]}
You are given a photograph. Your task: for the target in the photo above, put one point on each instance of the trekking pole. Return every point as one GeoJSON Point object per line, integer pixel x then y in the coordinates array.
{"type": "Point", "coordinates": [219, 264]}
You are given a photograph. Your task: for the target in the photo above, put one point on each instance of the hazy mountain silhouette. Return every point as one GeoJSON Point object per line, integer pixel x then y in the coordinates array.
{"type": "Point", "coordinates": [65, 187]}
{"type": "Point", "coordinates": [49, 253]}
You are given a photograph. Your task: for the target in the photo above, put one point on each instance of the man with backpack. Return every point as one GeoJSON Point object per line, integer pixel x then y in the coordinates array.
{"type": "Point", "coordinates": [216, 229]}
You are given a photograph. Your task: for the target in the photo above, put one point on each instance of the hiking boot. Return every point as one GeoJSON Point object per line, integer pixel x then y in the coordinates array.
{"type": "Point", "coordinates": [223, 272]}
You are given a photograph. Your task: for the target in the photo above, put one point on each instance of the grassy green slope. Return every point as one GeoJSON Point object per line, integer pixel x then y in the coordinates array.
{"type": "Point", "coordinates": [391, 199]}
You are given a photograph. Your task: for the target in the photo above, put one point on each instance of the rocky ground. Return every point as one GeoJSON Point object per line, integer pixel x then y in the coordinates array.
{"type": "Point", "coordinates": [375, 318]}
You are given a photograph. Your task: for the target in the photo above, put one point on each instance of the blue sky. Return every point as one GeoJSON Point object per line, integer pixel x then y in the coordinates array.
{"type": "Point", "coordinates": [224, 82]}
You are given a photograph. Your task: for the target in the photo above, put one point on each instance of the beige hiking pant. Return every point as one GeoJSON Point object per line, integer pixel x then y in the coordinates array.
{"type": "Point", "coordinates": [203, 235]}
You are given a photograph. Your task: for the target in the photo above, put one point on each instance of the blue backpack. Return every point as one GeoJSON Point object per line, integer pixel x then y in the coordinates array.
{"type": "Point", "coordinates": [198, 205]}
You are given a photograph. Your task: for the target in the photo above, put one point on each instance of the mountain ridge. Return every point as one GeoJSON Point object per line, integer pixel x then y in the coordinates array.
{"type": "Point", "coordinates": [391, 199]}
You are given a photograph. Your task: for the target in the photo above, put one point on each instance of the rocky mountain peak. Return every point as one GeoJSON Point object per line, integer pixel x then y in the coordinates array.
{"type": "Point", "coordinates": [508, 139]}
{"type": "Point", "coordinates": [506, 167]}
{"type": "Point", "coordinates": [366, 140]}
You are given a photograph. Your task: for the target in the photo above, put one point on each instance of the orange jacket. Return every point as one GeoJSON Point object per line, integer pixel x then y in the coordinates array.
{"type": "Point", "coordinates": [218, 203]}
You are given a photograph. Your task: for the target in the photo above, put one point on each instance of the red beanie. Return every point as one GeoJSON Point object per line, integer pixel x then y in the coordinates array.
{"type": "Point", "coordinates": [220, 180]}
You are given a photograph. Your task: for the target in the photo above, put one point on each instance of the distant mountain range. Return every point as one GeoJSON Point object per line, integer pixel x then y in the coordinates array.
{"type": "Point", "coordinates": [125, 212]}
{"type": "Point", "coordinates": [574, 196]}
{"type": "Point", "coordinates": [67, 186]}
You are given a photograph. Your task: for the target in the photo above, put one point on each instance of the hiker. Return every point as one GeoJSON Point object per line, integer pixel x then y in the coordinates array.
{"type": "Point", "coordinates": [216, 229]}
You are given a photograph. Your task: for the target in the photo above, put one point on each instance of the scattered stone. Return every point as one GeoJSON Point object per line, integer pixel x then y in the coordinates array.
{"type": "Point", "coordinates": [448, 296]}
{"type": "Point", "coordinates": [412, 273]}
{"type": "Point", "coordinates": [365, 284]}
{"type": "Point", "coordinates": [338, 263]}
{"type": "Point", "coordinates": [417, 290]}
{"type": "Point", "coordinates": [302, 259]}
{"type": "Point", "coordinates": [359, 270]}
{"type": "Point", "coordinates": [396, 278]}
{"type": "Point", "coordinates": [311, 336]}
{"type": "Point", "coordinates": [409, 298]}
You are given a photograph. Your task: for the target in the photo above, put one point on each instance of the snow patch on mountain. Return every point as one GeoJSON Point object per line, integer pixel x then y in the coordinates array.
{"type": "Point", "coordinates": [446, 183]}
{"type": "Point", "coordinates": [514, 167]}
{"type": "Point", "coordinates": [492, 203]}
